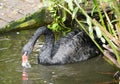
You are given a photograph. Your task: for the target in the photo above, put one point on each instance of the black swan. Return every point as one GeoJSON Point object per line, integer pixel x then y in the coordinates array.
{"type": "Point", "coordinates": [74, 47]}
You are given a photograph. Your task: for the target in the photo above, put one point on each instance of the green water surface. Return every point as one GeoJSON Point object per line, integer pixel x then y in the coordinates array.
{"type": "Point", "coordinates": [93, 71]}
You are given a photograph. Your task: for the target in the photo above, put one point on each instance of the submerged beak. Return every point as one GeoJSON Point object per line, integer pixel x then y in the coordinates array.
{"type": "Point", "coordinates": [25, 62]}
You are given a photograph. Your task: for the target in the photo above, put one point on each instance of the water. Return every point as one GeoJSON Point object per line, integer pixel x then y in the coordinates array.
{"type": "Point", "coordinates": [93, 71]}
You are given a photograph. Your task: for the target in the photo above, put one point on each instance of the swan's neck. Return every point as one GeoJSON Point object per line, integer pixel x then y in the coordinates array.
{"type": "Point", "coordinates": [42, 31]}
{"type": "Point", "coordinates": [36, 35]}
{"type": "Point", "coordinates": [47, 49]}
{"type": "Point", "coordinates": [49, 43]}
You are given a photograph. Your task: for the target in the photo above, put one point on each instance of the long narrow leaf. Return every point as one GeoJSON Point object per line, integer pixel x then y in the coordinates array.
{"type": "Point", "coordinates": [74, 12]}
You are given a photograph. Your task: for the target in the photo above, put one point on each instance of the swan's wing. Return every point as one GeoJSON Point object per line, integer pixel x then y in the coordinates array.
{"type": "Point", "coordinates": [78, 48]}
{"type": "Point", "coordinates": [64, 40]}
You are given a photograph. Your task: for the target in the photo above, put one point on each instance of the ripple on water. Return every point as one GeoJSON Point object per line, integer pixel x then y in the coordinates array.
{"type": "Point", "coordinates": [78, 73]}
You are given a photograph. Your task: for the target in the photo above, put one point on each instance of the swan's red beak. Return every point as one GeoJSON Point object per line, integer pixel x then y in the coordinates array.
{"type": "Point", "coordinates": [25, 62]}
{"type": "Point", "coordinates": [24, 58]}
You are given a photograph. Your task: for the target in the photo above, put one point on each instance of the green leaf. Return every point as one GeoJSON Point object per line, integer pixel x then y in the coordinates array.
{"type": "Point", "coordinates": [107, 0]}
{"type": "Point", "coordinates": [94, 8]}
{"type": "Point", "coordinates": [70, 4]}
{"type": "Point", "coordinates": [89, 21]}
{"type": "Point", "coordinates": [63, 19]}
{"type": "Point", "coordinates": [90, 28]}
{"type": "Point", "coordinates": [54, 25]}
{"type": "Point", "coordinates": [98, 32]}
{"type": "Point", "coordinates": [74, 12]}
{"type": "Point", "coordinates": [80, 1]}
{"type": "Point", "coordinates": [64, 16]}
{"type": "Point", "coordinates": [102, 39]}
{"type": "Point", "coordinates": [91, 32]}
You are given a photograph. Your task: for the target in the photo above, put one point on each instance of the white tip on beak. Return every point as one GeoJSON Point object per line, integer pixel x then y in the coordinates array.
{"type": "Point", "coordinates": [26, 65]}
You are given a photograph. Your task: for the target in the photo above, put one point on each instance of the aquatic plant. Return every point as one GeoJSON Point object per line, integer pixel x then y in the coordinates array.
{"type": "Point", "coordinates": [101, 16]}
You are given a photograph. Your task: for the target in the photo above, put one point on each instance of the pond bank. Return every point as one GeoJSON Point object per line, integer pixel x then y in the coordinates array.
{"type": "Point", "coordinates": [11, 10]}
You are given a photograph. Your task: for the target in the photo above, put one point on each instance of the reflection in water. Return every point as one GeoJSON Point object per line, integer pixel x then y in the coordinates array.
{"type": "Point", "coordinates": [24, 76]}
{"type": "Point", "coordinates": [11, 72]}
{"type": "Point", "coordinates": [79, 73]}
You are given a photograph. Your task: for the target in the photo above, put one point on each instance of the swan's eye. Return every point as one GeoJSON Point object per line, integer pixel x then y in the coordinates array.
{"type": "Point", "coordinates": [25, 53]}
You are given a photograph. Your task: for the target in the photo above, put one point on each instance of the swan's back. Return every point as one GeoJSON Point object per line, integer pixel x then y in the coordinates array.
{"type": "Point", "coordinates": [77, 48]}
{"type": "Point", "coordinates": [63, 41]}
{"type": "Point", "coordinates": [74, 47]}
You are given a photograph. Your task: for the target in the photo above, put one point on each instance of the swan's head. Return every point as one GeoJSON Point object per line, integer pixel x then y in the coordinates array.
{"type": "Point", "coordinates": [27, 49]}
{"type": "Point", "coordinates": [25, 62]}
